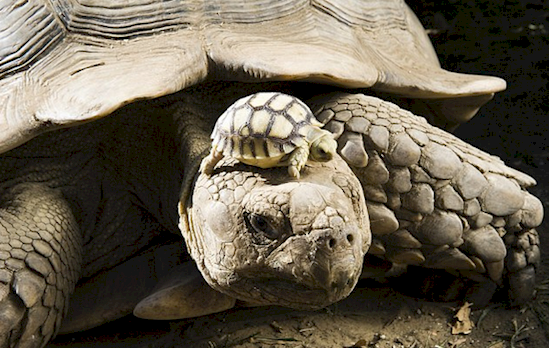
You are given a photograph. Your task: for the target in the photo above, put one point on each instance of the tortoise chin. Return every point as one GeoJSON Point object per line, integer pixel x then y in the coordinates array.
{"type": "Point", "coordinates": [287, 293]}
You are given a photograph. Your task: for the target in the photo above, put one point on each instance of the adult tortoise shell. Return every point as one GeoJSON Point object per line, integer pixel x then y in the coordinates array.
{"type": "Point", "coordinates": [65, 62]}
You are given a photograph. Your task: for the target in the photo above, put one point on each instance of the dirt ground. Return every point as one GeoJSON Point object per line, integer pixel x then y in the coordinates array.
{"type": "Point", "coordinates": [502, 38]}
{"type": "Point", "coordinates": [375, 315]}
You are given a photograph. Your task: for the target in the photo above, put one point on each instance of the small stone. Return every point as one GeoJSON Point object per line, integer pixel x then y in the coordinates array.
{"type": "Point", "coordinates": [403, 151]}
{"type": "Point", "coordinates": [448, 199]}
{"type": "Point", "coordinates": [450, 258]}
{"type": "Point", "coordinates": [358, 125]}
{"type": "Point", "coordinates": [378, 138]}
{"type": "Point", "coordinates": [532, 211]}
{"type": "Point", "coordinates": [470, 183]}
{"type": "Point", "coordinates": [471, 207]}
{"type": "Point", "coordinates": [486, 244]}
{"type": "Point", "coordinates": [399, 180]}
{"type": "Point", "coordinates": [439, 228]}
{"type": "Point", "coordinates": [374, 193]}
{"type": "Point", "coordinates": [353, 149]}
{"type": "Point", "coordinates": [420, 198]}
{"type": "Point", "coordinates": [440, 162]}
{"type": "Point", "coordinates": [480, 220]}
{"type": "Point", "coordinates": [382, 219]}
{"type": "Point", "coordinates": [402, 239]}
{"type": "Point", "coordinates": [502, 197]}
{"type": "Point", "coordinates": [375, 172]}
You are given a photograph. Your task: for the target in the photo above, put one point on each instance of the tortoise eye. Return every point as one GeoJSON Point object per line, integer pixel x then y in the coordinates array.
{"type": "Point", "coordinates": [261, 225]}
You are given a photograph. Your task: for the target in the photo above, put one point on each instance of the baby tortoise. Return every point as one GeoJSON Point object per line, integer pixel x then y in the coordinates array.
{"type": "Point", "coordinates": [269, 129]}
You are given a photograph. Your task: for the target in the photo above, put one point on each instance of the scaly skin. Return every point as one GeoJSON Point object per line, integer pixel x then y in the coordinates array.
{"type": "Point", "coordinates": [112, 189]}
{"type": "Point", "coordinates": [435, 201]}
{"type": "Point", "coordinates": [259, 234]}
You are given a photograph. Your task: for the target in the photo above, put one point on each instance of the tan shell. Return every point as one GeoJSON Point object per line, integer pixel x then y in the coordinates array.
{"type": "Point", "coordinates": [262, 128]}
{"type": "Point", "coordinates": [63, 62]}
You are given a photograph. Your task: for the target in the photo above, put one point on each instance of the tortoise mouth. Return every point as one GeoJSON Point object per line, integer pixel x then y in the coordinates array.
{"type": "Point", "coordinates": [287, 293]}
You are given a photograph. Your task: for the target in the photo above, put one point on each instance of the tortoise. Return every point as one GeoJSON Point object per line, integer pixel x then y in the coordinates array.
{"type": "Point", "coordinates": [88, 201]}
{"type": "Point", "coordinates": [267, 130]}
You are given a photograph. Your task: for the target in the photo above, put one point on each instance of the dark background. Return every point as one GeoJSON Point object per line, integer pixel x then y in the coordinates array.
{"type": "Point", "coordinates": [508, 39]}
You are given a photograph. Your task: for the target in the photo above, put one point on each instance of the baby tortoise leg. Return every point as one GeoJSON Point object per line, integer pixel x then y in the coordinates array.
{"type": "Point", "coordinates": [40, 256]}
{"type": "Point", "coordinates": [435, 201]}
{"type": "Point", "coordinates": [208, 163]}
{"type": "Point", "coordinates": [297, 160]}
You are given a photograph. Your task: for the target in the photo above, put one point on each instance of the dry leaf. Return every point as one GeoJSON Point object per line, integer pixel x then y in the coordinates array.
{"type": "Point", "coordinates": [463, 324]}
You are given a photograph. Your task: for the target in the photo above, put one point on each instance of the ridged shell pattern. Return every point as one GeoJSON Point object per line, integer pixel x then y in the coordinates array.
{"type": "Point", "coordinates": [63, 62]}
{"type": "Point", "coordinates": [22, 43]}
{"type": "Point", "coordinates": [263, 125]}
{"type": "Point", "coordinates": [434, 200]}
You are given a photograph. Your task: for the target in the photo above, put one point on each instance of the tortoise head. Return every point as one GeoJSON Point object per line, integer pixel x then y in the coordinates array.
{"type": "Point", "coordinates": [323, 148]}
{"type": "Point", "coordinates": [260, 237]}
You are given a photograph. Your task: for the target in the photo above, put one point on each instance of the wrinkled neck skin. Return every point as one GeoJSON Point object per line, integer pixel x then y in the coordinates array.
{"type": "Point", "coordinates": [260, 235]}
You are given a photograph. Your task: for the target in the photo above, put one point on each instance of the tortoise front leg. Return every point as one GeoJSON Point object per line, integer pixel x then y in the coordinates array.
{"type": "Point", "coordinates": [434, 200]}
{"type": "Point", "coordinates": [40, 256]}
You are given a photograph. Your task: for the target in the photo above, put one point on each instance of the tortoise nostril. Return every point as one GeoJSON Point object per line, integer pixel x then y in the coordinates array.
{"type": "Point", "coordinates": [350, 238]}
{"type": "Point", "coordinates": [332, 243]}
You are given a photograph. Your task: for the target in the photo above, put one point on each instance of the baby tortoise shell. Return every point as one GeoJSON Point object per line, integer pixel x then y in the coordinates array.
{"type": "Point", "coordinates": [267, 130]}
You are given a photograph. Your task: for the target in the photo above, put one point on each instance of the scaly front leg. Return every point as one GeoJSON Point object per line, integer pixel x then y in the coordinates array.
{"type": "Point", "coordinates": [40, 256]}
{"type": "Point", "coordinates": [433, 200]}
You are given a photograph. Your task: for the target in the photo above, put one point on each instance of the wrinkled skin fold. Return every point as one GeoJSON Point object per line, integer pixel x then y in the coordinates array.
{"type": "Point", "coordinates": [260, 237]}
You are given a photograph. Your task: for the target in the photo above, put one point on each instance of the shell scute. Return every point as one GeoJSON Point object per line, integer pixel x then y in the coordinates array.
{"type": "Point", "coordinates": [267, 130]}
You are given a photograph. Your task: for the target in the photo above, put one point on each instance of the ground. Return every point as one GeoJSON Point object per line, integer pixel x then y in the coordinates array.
{"type": "Point", "coordinates": [503, 38]}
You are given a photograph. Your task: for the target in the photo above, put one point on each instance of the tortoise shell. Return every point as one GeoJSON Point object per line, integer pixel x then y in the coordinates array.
{"type": "Point", "coordinates": [262, 128]}
{"type": "Point", "coordinates": [64, 62]}
{"type": "Point", "coordinates": [269, 129]}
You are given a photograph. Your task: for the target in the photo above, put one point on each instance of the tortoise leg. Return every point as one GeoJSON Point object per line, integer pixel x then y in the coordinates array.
{"type": "Point", "coordinates": [40, 256]}
{"type": "Point", "coordinates": [435, 201]}
{"type": "Point", "coordinates": [297, 160]}
{"type": "Point", "coordinates": [208, 163]}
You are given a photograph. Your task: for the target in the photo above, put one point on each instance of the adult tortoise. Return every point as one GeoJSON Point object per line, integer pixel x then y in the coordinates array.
{"type": "Point", "coordinates": [95, 202]}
